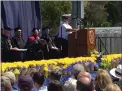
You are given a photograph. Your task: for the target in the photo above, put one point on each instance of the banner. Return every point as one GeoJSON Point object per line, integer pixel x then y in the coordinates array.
{"type": "Point", "coordinates": [24, 14]}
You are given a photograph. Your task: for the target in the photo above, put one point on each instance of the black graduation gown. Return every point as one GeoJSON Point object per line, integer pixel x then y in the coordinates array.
{"type": "Point", "coordinates": [19, 43]}
{"type": "Point", "coordinates": [5, 48]}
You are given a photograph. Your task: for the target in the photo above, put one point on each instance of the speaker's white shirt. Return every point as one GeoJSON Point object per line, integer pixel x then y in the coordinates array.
{"type": "Point", "coordinates": [62, 30]}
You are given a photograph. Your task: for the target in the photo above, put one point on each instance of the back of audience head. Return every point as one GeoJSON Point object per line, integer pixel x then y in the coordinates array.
{"type": "Point", "coordinates": [38, 79]}
{"type": "Point", "coordinates": [55, 86]}
{"type": "Point", "coordinates": [119, 83]}
{"type": "Point", "coordinates": [83, 74]}
{"type": "Point", "coordinates": [11, 76]}
{"type": "Point", "coordinates": [25, 83]}
{"type": "Point", "coordinates": [116, 73]}
{"type": "Point", "coordinates": [55, 75]}
{"type": "Point", "coordinates": [84, 82]}
{"type": "Point", "coordinates": [102, 79]}
{"type": "Point", "coordinates": [112, 87]}
{"type": "Point", "coordinates": [77, 68]}
{"type": "Point", "coordinates": [5, 84]}
{"type": "Point", "coordinates": [33, 70]}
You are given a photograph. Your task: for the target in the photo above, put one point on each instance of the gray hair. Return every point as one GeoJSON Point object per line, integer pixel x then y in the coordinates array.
{"type": "Point", "coordinates": [77, 68]}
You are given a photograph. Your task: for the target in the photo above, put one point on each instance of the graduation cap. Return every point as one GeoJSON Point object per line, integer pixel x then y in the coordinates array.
{"type": "Point", "coordinates": [17, 29]}
{"type": "Point", "coordinates": [8, 28]}
{"type": "Point", "coordinates": [34, 29]}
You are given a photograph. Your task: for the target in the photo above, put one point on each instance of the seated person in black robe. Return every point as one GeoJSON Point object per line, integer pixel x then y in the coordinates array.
{"type": "Point", "coordinates": [35, 46]}
{"type": "Point", "coordinates": [54, 51]}
{"type": "Point", "coordinates": [17, 41]}
{"type": "Point", "coordinates": [6, 46]}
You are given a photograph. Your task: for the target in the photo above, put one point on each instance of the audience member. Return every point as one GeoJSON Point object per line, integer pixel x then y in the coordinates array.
{"type": "Point", "coordinates": [84, 74]}
{"type": "Point", "coordinates": [55, 86]}
{"type": "Point", "coordinates": [120, 83]}
{"type": "Point", "coordinates": [25, 83]}
{"type": "Point", "coordinates": [116, 73]}
{"type": "Point", "coordinates": [70, 84]}
{"type": "Point", "coordinates": [12, 78]}
{"type": "Point", "coordinates": [84, 82]}
{"type": "Point", "coordinates": [32, 71]}
{"type": "Point", "coordinates": [38, 82]}
{"type": "Point", "coordinates": [5, 84]}
{"type": "Point", "coordinates": [112, 87]}
{"type": "Point", "coordinates": [23, 71]}
{"type": "Point", "coordinates": [55, 75]}
{"type": "Point", "coordinates": [102, 79]}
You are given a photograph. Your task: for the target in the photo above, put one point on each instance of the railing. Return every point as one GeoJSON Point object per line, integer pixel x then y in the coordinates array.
{"type": "Point", "coordinates": [108, 39]}
{"type": "Point", "coordinates": [109, 44]}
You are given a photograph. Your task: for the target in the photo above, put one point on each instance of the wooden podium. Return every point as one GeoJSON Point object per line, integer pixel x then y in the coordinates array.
{"type": "Point", "coordinates": [80, 42]}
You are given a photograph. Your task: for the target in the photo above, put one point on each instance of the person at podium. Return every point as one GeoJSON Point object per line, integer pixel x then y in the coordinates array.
{"type": "Point", "coordinates": [63, 35]}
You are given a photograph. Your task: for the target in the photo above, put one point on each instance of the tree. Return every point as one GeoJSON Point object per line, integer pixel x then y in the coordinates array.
{"type": "Point", "coordinates": [52, 11]}
{"type": "Point", "coordinates": [103, 13]}
{"type": "Point", "coordinates": [94, 13]}
{"type": "Point", "coordinates": [114, 10]}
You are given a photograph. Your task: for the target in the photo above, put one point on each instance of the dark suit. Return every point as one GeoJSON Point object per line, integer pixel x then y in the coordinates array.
{"type": "Point", "coordinates": [19, 43]}
{"type": "Point", "coordinates": [5, 48]}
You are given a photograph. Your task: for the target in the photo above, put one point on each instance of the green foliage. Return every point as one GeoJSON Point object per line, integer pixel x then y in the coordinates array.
{"type": "Point", "coordinates": [51, 12]}
{"type": "Point", "coordinates": [97, 13]}
{"type": "Point", "coordinates": [106, 24]}
{"type": "Point", "coordinates": [105, 65]}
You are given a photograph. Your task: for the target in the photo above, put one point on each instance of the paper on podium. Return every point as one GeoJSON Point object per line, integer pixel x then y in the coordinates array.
{"type": "Point", "coordinates": [72, 30]}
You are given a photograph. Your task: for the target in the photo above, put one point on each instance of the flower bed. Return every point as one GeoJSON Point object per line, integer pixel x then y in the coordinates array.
{"type": "Point", "coordinates": [108, 61]}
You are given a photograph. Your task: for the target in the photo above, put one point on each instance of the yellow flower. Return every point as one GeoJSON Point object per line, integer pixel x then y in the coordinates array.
{"type": "Point", "coordinates": [58, 63]}
{"type": "Point", "coordinates": [16, 71]}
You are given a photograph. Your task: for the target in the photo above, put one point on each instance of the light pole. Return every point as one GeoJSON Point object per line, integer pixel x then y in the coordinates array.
{"type": "Point", "coordinates": [77, 13]}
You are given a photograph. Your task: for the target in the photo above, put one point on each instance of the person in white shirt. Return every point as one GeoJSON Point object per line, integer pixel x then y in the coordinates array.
{"type": "Point", "coordinates": [63, 33]}
{"type": "Point", "coordinates": [63, 36]}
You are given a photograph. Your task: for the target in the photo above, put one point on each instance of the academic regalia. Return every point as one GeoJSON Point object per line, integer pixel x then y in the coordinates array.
{"type": "Point", "coordinates": [5, 48]}
{"type": "Point", "coordinates": [18, 42]}
{"type": "Point", "coordinates": [33, 48]}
